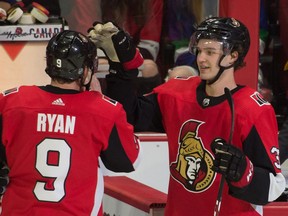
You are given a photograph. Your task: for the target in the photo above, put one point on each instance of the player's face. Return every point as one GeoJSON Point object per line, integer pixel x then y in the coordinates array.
{"type": "Point", "coordinates": [209, 53]}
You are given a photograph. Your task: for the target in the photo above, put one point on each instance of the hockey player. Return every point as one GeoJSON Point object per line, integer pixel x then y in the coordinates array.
{"type": "Point", "coordinates": [53, 136]}
{"type": "Point", "coordinates": [212, 133]}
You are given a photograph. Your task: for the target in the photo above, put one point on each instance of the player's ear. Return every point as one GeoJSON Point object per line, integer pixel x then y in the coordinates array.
{"type": "Point", "coordinates": [234, 55]}
{"type": "Point", "coordinates": [87, 75]}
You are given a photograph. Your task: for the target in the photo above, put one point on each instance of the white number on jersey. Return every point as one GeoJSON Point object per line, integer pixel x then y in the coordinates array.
{"type": "Point", "coordinates": [58, 172]}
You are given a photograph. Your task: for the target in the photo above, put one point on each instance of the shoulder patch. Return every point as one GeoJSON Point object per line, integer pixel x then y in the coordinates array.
{"type": "Point", "coordinates": [259, 99]}
{"type": "Point", "coordinates": [183, 77]}
{"type": "Point", "coordinates": [10, 91]}
{"type": "Point", "coordinates": [111, 101]}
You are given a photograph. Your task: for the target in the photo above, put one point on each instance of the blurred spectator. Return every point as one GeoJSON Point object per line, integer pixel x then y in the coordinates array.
{"type": "Point", "coordinates": [263, 85]}
{"type": "Point", "coordinates": [283, 142]}
{"type": "Point", "coordinates": [143, 21]}
{"type": "Point", "coordinates": [181, 71]}
{"type": "Point", "coordinates": [147, 81]}
{"type": "Point", "coordinates": [180, 20]}
{"type": "Point", "coordinates": [283, 21]}
{"type": "Point", "coordinates": [80, 18]}
{"type": "Point", "coordinates": [264, 33]}
{"type": "Point", "coordinates": [283, 153]}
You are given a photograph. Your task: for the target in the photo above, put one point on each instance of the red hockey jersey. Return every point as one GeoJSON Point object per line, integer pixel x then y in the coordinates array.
{"type": "Point", "coordinates": [53, 143]}
{"type": "Point", "coordinates": [192, 120]}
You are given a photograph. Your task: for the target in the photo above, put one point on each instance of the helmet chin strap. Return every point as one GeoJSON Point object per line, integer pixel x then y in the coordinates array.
{"type": "Point", "coordinates": [221, 70]}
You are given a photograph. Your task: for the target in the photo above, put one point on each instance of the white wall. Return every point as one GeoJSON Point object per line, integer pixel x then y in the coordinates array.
{"type": "Point", "coordinates": [26, 69]}
{"type": "Point", "coordinates": [153, 169]}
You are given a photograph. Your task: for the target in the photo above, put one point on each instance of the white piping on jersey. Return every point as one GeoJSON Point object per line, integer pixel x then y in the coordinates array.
{"type": "Point", "coordinates": [258, 209]}
{"type": "Point", "coordinates": [277, 186]}
{"type": "Point", "coordinates": [140, 154]}
{"type": "Point", "coordinates": [98, 194]}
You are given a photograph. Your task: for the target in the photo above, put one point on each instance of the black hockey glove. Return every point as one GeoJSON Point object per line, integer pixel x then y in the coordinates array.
{"type": "Point", "coordinates": [231, 162]}
{"type": "Point", "coordinates": [116, 44]}
{"type": "Point", "coordinates": [4, 179]}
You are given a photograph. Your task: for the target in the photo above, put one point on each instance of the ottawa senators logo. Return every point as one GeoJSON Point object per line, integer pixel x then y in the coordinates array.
{"type": "Point", "coordinates": [193, 165]}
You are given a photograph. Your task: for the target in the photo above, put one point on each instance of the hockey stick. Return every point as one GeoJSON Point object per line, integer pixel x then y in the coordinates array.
{"type": "Point", "coordinates": [220, 191]}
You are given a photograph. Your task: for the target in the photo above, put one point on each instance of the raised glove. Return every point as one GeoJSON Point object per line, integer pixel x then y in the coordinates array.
{"type": "Point", "coordinates": [231, 162]}
{"type": "Point", "coordinates": [4, 179]}
{"type": "Point", "coordinates": [116, 44]}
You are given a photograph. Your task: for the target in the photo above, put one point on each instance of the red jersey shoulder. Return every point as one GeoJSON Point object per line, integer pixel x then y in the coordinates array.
{"type": "Point", "coordinates": [178, 85]}
{"type": "Point", "coordinates": [15, 96]}
{"type": "Point", "coordinates": [20, 90]}
{"type": "Point", "coordinates": [102, 98]}
{"type": "Point", "coordinates": [251, 97]}
{"type": "Point", "coordinates": [250, 104]}
{"type": "Point", "coordinates": [102, 105]}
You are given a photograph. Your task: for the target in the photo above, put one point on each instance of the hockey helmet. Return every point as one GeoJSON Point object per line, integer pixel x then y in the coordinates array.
{"type": "Point", "coordinates": [233, 35]}
{"type": "Point", "coordinates": [67, 54]}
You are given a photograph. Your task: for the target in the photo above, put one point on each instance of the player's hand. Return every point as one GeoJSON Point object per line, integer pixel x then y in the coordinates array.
{"type": "Point", "coordinates": [101, 35]}
{"type": "Point", "coordinates": [4, 179]}
{"type": "Point", "coordinates": [116, 44]}
{"type": "Point", "coordinates": [231, 162]}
